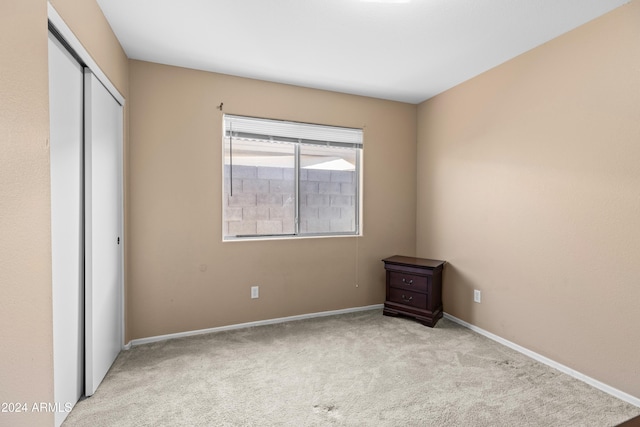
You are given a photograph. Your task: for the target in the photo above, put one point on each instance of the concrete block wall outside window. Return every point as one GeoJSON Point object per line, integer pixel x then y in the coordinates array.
{"type": "Point", "coordinates": [263, 201]}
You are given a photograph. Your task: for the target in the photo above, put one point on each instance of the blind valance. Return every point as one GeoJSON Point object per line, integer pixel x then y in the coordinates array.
{"type": "Point", "coordinates": [285, 131]}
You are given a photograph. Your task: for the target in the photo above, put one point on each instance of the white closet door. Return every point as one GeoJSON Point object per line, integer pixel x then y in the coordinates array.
{"type": "Point", "coordinates": [103, 231]}
{"type": "Point", "coordinates": [65, 115]}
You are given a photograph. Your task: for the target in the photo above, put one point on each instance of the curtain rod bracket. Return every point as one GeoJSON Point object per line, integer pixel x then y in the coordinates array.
{"type": "Point", "coordinates": [220, 106]}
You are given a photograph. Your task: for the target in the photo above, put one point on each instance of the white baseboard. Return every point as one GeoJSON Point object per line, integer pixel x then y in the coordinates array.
{"type": "Point", "coordinates": [148, 340]}
{"type": "Point", "coordinates": [542, 359]}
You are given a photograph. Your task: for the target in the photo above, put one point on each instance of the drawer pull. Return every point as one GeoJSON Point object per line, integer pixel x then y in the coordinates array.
{"type": "Point", "coordinates": [406, 299]}
{"type": "Point", "coordinates": [410, 282]}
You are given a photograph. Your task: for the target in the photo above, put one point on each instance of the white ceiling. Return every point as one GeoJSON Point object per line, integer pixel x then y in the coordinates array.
{"type": "Point", "coordinates": [406, 51]}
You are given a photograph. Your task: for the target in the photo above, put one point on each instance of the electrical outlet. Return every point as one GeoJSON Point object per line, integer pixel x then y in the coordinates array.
{"type": "Point", "coordinates": [477, 296]}
{"type": "Point", "coordinates": [255, 291]}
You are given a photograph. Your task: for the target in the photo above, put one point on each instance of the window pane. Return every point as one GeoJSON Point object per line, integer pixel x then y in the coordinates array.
{"type": "Point", "coordinates": [328, 196]}
{"type": "Point", "coordinates": [259, 188]}
{"type": "Point", "coordinates": [290, 178]}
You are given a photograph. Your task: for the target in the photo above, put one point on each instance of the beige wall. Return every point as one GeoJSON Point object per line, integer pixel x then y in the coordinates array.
{"type": "Point", "coordinates": [529, 185]}
{"type": "Point", "coordinates": [181, 276]}
{"type": "Point", "coordinates": [26, 364]}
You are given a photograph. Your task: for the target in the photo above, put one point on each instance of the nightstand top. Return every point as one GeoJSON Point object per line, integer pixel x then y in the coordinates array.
{"type": "Point", "coordinates": [406, 260]}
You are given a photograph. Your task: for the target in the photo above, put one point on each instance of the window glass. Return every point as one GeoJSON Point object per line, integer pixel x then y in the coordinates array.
{"type": "Point", "coordinates": [259, 189]}
{"type": "Point", "coordinates": [328, 197]}
{"type": "Point", "coordinates": [289, 179]}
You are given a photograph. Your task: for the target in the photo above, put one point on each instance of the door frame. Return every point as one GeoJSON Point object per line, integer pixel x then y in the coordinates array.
{"type": "Point", "coordinates": [63, 29]}
{"type": "Point", "coordinates": [69, 37]}
{"type": "Point", "coordinates": [77, 49]}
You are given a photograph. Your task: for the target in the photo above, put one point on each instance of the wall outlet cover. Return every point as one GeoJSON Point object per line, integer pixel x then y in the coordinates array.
{"type": "Point", "coordinates": [477, 296]}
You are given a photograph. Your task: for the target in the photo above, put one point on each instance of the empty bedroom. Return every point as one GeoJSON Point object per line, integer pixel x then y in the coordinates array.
{"type": "Point", "coordinates": [338, 212]}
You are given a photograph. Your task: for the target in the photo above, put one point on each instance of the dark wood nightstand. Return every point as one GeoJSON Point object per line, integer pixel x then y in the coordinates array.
{"type": "Point", "coordinates": [414, 288]}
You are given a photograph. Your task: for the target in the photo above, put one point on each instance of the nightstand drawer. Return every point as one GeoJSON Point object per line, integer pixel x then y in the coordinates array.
{"type": "Point", "coordinates": [413, 299]}
{"type": "Point", "coordinates": [408, 281]}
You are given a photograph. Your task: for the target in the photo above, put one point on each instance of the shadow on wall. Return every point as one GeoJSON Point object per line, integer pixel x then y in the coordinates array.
{"type": "Point", "coordinates": [457, 294]}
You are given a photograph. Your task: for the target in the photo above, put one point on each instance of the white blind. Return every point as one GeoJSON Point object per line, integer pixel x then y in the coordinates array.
{"type": "Point", "coordinates": [255, 128]}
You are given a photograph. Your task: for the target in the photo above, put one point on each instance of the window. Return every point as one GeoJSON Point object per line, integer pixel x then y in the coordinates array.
{"type": "Point", "coordinates": [288, 179]}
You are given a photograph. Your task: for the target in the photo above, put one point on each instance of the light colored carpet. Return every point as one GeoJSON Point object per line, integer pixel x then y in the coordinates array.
{"type": "Point", "coordinates": [358, 369]}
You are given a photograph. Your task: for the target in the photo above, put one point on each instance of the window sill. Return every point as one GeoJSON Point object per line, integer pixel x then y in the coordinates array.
{"type": "Point", "coordinates": [288, 237]}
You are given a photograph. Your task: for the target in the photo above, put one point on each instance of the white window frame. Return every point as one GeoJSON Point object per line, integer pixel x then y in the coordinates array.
{"type": "Point", "coordinates": [300, 136]}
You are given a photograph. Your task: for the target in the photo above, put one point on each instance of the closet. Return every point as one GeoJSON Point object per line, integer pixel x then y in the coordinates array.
{"type": "Point", "coordinates": [86, 222]}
